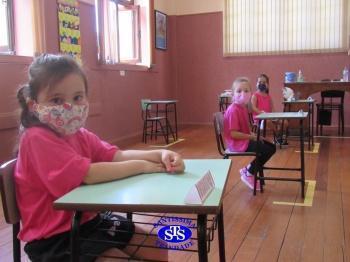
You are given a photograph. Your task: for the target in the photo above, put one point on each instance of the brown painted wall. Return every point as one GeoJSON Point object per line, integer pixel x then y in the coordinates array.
{"type": "Point", "coordinates": [203, 72]}
{"type": "Point", "coordinates": [115, 100]}
{"type": "Point", "coordinates": [192, 70]}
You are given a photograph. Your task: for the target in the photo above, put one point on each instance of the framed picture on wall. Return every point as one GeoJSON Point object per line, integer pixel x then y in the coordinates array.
{"type": "Point", "coordinates": [161, 30]}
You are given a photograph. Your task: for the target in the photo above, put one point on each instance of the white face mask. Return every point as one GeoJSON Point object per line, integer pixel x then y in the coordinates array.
{"type": "Point", "coordinates": [66, 119]}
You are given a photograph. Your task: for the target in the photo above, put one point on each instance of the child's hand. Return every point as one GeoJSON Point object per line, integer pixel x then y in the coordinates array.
{"type": "Point", "coordinates": [152, 167]}
{"type": "Point", "coordinates": [252, 136]}
{"type": "Point", "coordinates": [172, 161]}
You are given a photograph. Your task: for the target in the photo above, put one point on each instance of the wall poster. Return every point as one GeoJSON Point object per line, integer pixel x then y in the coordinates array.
{"type": "Point", "coordinates": [69, 28]}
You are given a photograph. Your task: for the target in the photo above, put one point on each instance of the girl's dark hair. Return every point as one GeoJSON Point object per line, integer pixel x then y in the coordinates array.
{"type": "Point", "coordinates": [46, 71]}
{"type": "Point", "coordinates": [266, 77]}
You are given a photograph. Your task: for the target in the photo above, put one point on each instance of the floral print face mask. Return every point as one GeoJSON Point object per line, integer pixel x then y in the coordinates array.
{"type": "Point", "coordinates": [66, 119]}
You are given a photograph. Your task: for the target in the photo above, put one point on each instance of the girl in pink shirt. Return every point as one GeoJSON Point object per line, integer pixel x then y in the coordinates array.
{"type": "Point", "coordinates": [56, 154]}
{"type": "Point", "coordinates": [237, 133]}
{"type": "Point", "coordinates": [262, 102]}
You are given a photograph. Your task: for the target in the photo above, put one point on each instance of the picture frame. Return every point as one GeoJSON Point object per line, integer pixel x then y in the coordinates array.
{"type": "Point", "coordinates": [160, 30]}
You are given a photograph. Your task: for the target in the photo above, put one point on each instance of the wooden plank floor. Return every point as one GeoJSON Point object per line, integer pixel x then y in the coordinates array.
{"type": "Point", "coordinates": [256, 229]}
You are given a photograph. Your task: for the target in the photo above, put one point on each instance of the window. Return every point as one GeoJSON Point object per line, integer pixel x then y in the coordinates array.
{"type": "Point", "coordinates": [288, 26]}
{"type": "Point", "coordinates": [21, 27]}
{"type": "Point", "coordinates": [6, 42]}
{"type": "Point", "coordinates": [123, 30]}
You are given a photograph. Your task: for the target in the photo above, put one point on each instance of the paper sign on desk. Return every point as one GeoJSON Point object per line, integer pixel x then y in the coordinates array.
{"type": "Point", "coordinates": [201, 190]}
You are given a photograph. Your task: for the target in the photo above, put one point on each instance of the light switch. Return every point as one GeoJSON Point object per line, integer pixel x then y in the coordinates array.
{"type": "Point", "coordinates": [122, 72]}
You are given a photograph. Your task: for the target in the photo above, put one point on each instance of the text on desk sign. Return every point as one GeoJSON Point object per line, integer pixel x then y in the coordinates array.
{"type": "Point", "coordinates": [201, 190]}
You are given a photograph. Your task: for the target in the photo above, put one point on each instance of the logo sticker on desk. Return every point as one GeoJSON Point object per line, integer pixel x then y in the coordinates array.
{"type": "Point", "coordinates": [174, 233]}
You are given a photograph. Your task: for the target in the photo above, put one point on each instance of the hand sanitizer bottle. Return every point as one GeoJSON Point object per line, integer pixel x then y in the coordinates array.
{"type": "Point", "coordinates": [300, 76]}
{"type": "Point", "coordinates": [345, 74]}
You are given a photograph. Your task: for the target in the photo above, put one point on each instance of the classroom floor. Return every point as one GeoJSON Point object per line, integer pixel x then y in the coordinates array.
{"type": "Point", "coordinates": [258, 229]}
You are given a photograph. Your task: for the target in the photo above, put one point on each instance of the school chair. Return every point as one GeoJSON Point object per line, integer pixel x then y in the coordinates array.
{"type": "Point", "coordinates": [331, 100]}
{"type": "Point", "coordinates": [219, 129]}
{"type": "Point", "coordinates": [9, 204]}
{"type": "Point", "coordinates": [153, 124]}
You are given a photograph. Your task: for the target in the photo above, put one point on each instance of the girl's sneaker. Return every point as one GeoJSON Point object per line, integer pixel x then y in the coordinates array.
{"type": "Point", "coordinates": [248, 179]}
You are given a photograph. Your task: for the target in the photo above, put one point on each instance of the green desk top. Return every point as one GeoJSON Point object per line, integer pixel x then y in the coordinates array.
{"type": "Point", "coordinates": [282, 115]}
{"type": "Point", "coordinates": [157, 192]}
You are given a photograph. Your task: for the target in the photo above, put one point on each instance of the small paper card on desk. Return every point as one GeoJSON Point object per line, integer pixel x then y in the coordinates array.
{"type": "Point", "coordinates": [201, 190]}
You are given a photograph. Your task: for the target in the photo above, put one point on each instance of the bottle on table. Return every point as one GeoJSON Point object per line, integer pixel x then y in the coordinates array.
{"type": "Point", "coordinates": [300, 76]}
{"type": "Point", "coordinates": [345, 74]}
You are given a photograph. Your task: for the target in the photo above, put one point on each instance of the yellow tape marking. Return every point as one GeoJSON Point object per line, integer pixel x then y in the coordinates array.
{"type": "Point", "coordinates": [314, 151]}
{"type": "Point", "coordinates": [168, 145]}
{"type": "Point", "coordinates": [309, 196]}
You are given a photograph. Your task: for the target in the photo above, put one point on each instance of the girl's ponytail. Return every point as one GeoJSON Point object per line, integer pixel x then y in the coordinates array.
{"type": "Point", "coordinates": [27, 118]}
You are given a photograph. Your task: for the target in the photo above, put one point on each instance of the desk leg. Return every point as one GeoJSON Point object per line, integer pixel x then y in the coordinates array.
{"type": "Point", "coordinates": [302, 164]}
{"type": "Point", "coordinates": [309, 128]}
{"type": "Point", "coordinates": [257, 161]}
{"type": "Point", "coordinates": [221, 235]}
{"type": "Point", "coordinates": [312, 125]}
{"type": "Point", "coordinates": [74, 236]}
{"type": "Point", "coordinates": [202, 238]}
{"type": "Point", "coordinates": [167, 124]}
{"type": "Point", "coordinates": [175, 112]}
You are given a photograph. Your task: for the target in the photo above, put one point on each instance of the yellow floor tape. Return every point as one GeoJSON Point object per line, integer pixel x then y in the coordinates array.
{"type": "Point", "coordinates": [315, 150]}
{"type": "Point", "coordinates": [168, 145]}
{"type": "Point", "coordinates": [309, 196]}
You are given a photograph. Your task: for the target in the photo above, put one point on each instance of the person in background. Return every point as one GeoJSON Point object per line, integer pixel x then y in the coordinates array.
{"type": "Point", "coordinates": [57, 154]}
{"type": "Point", "coordinates": [261, 102]}
{"type": "Point", "coordinates": [237, 133]}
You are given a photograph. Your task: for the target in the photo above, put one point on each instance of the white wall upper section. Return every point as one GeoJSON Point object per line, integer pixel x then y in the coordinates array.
{"type": "Point", "coordinates": [166, 6]}
{"type": "Point", "coordinates": [185, 7]}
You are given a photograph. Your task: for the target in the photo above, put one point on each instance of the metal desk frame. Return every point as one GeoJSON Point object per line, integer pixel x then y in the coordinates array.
{"type": "Point", "coordinates": [167, 105]}
{"type": "Point", "coordinates": [283, 116]}
{"type": "Point", "coordinates": [125, 196]}
{"type": "Point", "coordinates": [311, 104]}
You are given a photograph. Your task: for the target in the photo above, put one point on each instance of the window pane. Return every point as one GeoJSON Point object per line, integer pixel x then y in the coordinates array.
{"type": "Point", "coordinates": [124, 31]}
{"type": "Point", "coordinates": [4, 34]}
{"type": "Point", "coordinates": [126, 34]}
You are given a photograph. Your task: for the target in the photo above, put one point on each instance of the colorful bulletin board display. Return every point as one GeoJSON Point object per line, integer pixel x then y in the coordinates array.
{"type": "Point", "coordinates": [69, 28]}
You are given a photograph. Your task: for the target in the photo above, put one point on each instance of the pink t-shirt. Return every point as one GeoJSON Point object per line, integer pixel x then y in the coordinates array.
{"type": "Point", "coordinates": [263, 103]}
{"type": "Point", "coordinates": [49, 166]}
{"type": "Point", "coordinates": [236, 119]}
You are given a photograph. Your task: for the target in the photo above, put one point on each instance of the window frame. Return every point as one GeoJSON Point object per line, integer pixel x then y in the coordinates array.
{"type": "Point", "coordinates": [130, 64]}
{"type": "Point", "coordinates": [9, 49]}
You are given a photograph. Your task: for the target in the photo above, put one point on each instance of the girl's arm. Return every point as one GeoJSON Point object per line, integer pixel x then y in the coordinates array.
{"type": "Point", "coordinates": [254, 105]}
{"type": "Point", "coordinates": [133, 162]}
{"type": "Point", "coordinates": [240, 135]}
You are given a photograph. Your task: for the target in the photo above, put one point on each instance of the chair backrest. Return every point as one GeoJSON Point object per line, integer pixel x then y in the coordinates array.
{"type": "Point", "coordinates": [145, 108]}
{"type": "Point", "coordinates": [333, 94]}
{"type": "Point", "coordinates": [144, 104]}
{"type": "Point", "coordinates": [8, 194]}
{"type": "Point", "coordinates": [219, 129]}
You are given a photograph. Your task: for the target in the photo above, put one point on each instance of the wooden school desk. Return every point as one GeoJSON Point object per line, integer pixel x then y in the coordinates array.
{"type": "Point", "coordinates": [154, 193]}
{"type": "Point", "coordinates": [305, 89]}
{"type": "Point", "coordinates": [310, 105]}
{"type": "Point", "coordinates": [286, 116]}
{"type": "Point", "coordinates": [166, 107]}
